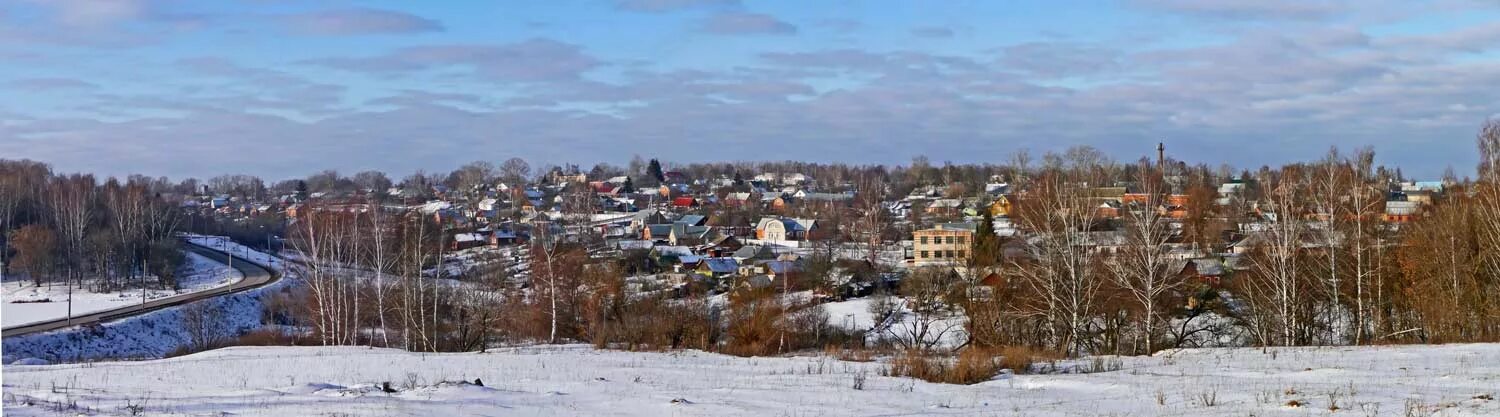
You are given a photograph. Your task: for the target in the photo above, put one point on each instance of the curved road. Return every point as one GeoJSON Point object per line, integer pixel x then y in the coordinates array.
{"type": "Point", "coordinates": [255, 276]}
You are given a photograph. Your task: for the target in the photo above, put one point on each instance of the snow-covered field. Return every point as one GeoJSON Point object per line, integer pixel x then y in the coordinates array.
{"type": "Point", "coordinates": [1446, 380]}
{"type": "Point", "coordinates": [22, 302]}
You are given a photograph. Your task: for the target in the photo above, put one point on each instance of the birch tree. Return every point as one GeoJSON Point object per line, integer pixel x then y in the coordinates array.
{"type": "Point", "coordinates": [1141, 267]}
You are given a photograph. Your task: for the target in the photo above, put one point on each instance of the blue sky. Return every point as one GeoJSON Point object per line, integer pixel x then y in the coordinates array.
{"type": "Point", "coordinates": [285, 88]}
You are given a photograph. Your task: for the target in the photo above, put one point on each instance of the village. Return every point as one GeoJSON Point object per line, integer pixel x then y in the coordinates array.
{"type": "Point", "coordinates": [734, 228]}
{"type": "Point", "coordinates": [835, 239]}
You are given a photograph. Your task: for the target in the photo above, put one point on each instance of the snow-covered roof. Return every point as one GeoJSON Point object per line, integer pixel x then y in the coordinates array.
{"type": "Point", "coordinates": [468, 237]}
{"type": "Point", "coordinates": [721, 265]}
{"type": "Point", "coordinates": [434, 207]}
{"type": "Point", "coordinates": [673, 250]}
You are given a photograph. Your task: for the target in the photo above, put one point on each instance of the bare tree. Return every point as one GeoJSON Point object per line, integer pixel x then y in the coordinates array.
{"type": "Point", "coordinates": [870, 223]}
{"type": "Point", "coordinates": [1329, 194]}
{"type": "Point", "coordinates": [515, 171]}
{"type": "Point", "coordinates": [1141, 267]}
{"type": "Point", "coordinates": [1061, 265]}
{"type": "Point", "coordinates": [1366, 201]}
{"type": "Point", "coordinates": [72, 209]}
{"type": "Point", "coordinates": [1275, 287]}
{"type": "Point", "coordinates": [927, 319]}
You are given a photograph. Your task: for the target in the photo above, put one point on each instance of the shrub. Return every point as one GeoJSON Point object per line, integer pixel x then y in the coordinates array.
{"type": "Point", "coordinates": [1018, 359]}
{"type": "Point", "coordinates": [970, 366]}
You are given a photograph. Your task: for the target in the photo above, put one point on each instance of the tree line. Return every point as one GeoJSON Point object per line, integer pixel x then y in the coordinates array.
{"type": "Point", "coordinates": [74, 230]}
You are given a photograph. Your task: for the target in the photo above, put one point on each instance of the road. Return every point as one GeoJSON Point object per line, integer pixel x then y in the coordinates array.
{"type": "Point", "coordinates": [255, 277]}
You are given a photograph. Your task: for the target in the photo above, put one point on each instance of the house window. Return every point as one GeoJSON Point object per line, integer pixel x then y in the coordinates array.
{"type": "Point", "coordinates": [960, 254]}
{"type": "Point", "coordinates": [961, 240]}
{"type": "Point", "coordinates": [923, 255]}
{"type": "Point", "coordinates": [924, 240]}
{"type": "Point", "coordinates": [938, 253]}
{"type": "Point", "coordinates": [950, 240]}
{"type": "Point", "coordinates": [950, 254]}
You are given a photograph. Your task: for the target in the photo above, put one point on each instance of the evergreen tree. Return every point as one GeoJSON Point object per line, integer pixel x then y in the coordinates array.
{"type": "Point", "coordinates": [301, 190]}
{"type": "Point", "coordinates": [654, 168]}
{"type": "Point", "coordinates": [629, 186]}
{"type": "Point", "coordinates": [986, 248]}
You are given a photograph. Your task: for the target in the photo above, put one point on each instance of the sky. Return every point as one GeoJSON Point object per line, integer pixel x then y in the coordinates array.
{"type": "Point", "coordinates": [282, 89]}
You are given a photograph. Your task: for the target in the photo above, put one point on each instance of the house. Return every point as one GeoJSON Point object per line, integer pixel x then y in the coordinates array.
{"type": "Point", "coordinates": [683, 234]}
{"type": "Point", "coordinates": [786, 229]}
{"type": "Point", "coordinates": [1428, 186]}
{"type": "Point", "coordinates": [1401, 211]}
{"type": "Point", "coordinates": [656, 231]}
{"type": "Point", "coordinates": [684, 202]}
{"type": "Point", "coordinates": [602, 187]}
{"type": "Point", "coordinates": [504, 237]}
{"type": "Point", "coordinates": [724, 245]}
{"type": "Point", "coordinates": [718, 267]}
{"type": "Point", "coordinates": [736, 199]}
{"type": "Point", "coordinates": [1108, 209]}
{"type": "Point", "coordinates": [762, 252]}
{"type": "Point", "coordinates": [989, 283]}
{"type": "Point", "coordinates": [1229, 192]}
{"type": "Point", "coordinates": [692, 220]}
{"type": "Point", "coordinates": [463, 241]}
{"type": "Point", "coordinates": [677, 234]}
{"type": "Point", "coordinates": [943, 244]}
{"type": "Point", "coordinates": [1001, 207]}
{"type": "Point", "coordinates": [945, 207]}
{"type": "Point", "coordinates": [630, 245]}
{"type": "Point", "coordinates": [666, 255]}
{"type": "Point", "coordinates": [764, 274]}
{"type": "Point", "coordinates": [900, 209]}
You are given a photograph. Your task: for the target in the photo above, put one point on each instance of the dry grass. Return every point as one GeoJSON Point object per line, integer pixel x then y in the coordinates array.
{"type": "Point", "coordinates": [856, 354]}
{"type": "Point", "coordinates": [1018, 359]}
{"type": "Point", "coordinates": [969, 367]}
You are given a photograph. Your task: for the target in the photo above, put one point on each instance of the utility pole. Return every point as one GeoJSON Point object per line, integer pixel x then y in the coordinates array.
{"type": "Point", "coordinates": [224, 243]}
{"type": "Point", "coordinates": [1161, 154]}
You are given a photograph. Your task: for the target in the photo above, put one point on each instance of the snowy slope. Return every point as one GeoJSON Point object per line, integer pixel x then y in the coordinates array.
{"type": "Point", "coordinates": [21, 302]}
{"type": "Point", "coordinates": [153, 334]}
{"type": "Point", "coordinates": [1447, 380]}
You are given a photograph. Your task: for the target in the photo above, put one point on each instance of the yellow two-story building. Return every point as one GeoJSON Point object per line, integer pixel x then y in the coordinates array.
{"type": "Point", "coordinates": [944, 244]}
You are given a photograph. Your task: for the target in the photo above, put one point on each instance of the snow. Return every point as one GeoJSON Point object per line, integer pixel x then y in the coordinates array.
{"type": "Point", "coordinates": [941, 331]}
{"type": "Point", "coordinates": [198, 273]}
{"type": "Point", "coordinates": [149, 335]}
{"type": "Point", "coordinates": [240, 251]}
{"type": "Point", "coordinates": [850, 315]}
{"type": "Point", "coordinates": [156, 333]}
{"type": "Point", "coordinates": [1443, 380]}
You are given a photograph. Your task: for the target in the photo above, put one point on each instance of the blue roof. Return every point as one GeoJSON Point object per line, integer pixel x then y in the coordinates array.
{"type": "Point", "coordinates": [782, 267]}
{"type": "Point", "coordinates": [722, 265]}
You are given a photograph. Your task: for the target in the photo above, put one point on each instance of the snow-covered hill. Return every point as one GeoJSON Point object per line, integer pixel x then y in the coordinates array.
{"type": "Point", "coordinates": [23, 303]}
{"type": "Point", "coordinates": [1448, 380]}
